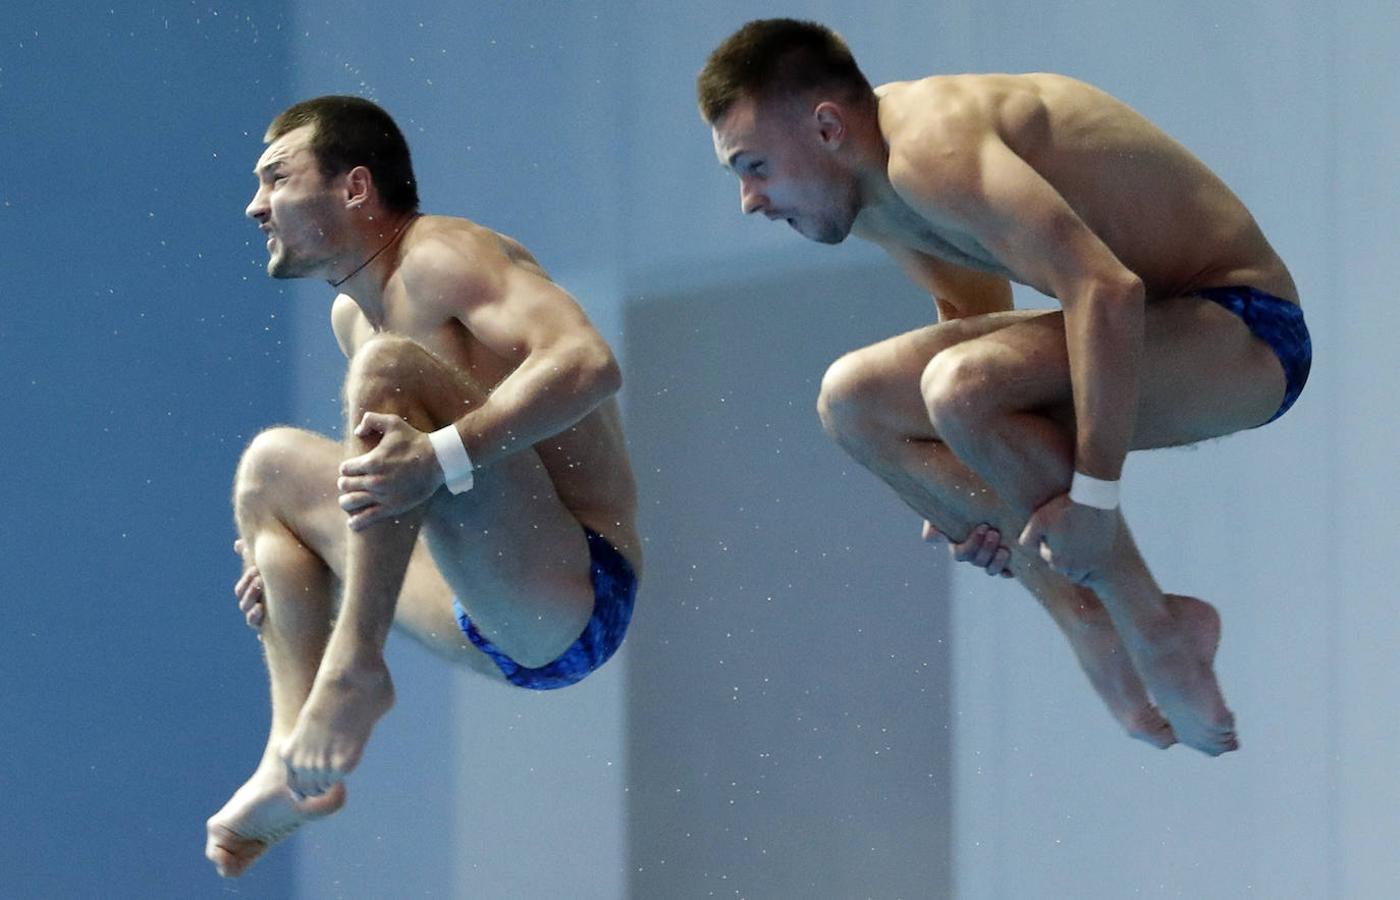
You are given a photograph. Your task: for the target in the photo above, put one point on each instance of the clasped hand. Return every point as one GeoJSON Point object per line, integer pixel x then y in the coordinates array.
{"type": "Point", "coordinates": [397, 474]}
{"type": "Point", "coordinates": [1073, 539]}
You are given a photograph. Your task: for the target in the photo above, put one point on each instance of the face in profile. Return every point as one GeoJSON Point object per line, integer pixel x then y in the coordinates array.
{"type": "Point", "coordinates": [296, 207]}
{"type": "Point", "coordinates": [787, 169]}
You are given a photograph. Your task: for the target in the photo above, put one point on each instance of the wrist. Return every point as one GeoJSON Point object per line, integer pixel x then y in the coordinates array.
{"type": "Point", "coordinates": [453, 459]}
{"type": "Point", "coordinates": [1087, 490]}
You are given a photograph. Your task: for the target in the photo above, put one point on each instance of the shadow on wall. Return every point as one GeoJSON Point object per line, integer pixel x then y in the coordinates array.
{"type": "Point", "coordinates": [789, 674]}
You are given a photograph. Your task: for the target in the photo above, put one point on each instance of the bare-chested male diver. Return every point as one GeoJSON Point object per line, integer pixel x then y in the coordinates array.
{"type": "Point", "coordinates": [482, 500]}
{"type": "Point", "coordinates": [1178, 323]}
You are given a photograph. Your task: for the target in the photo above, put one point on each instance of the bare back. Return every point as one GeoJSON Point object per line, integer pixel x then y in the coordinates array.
{"type": "Point", "coordinates": [587, 462]}
{"type": "Point", "coordinates": [1160, 210]}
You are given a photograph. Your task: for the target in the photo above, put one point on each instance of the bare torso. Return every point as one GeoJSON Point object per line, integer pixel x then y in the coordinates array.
{"type": "Point", "coordinates": [1165, 216]}
{"type": "Point", "coordinates": [587, 462]}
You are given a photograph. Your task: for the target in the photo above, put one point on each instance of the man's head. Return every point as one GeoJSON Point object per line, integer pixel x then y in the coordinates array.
{"type": "Point", "coordinates": [329, 161]}
{"type": "Point", "coordinates": [781, 97]}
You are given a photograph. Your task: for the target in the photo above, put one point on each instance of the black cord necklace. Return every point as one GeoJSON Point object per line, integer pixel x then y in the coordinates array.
{"type": "Point", "coordinates": [393, 237]}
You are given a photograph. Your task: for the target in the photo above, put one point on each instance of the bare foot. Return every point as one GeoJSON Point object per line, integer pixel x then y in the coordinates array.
{"type": "Point", "coordinates": [1105, 660]}
{"type": "Point", "coordinates": [331, 732]}
{"type": "Point", "coordinates": [258, 815]}
{"type": "Point", "coordinates": [1176, 662]}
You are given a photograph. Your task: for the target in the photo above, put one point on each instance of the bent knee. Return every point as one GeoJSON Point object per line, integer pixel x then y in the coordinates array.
{"type": "Point", "coordinates": [275, 460]}
{"type": "Point", "coordinates": [382, 364]}
{"type": "Point", "coordinates": [955, 386]}
{"type": "Point", "coordinates": [848, 399]}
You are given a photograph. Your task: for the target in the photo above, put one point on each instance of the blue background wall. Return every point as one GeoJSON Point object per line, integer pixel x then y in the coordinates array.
{"type": "Point", "coordinates": [140, 347]}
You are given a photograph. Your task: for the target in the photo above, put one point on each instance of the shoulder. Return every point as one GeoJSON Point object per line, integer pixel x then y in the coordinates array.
{"type": "Point", "coordinates": [451, 259]}
{"type": "Point", "coordinates": [942, 131]}
{"type": "Point", "coordinates": [345, 317]}
{"type": "Point", "coordinates": [934, 129]}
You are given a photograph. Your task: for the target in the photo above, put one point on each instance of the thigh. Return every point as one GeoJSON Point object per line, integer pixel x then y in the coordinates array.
{"type": "Point", "coordinates": [1203, 373]}
{"type": "Point", "coordinates": [308, 506]}
{"type": "Point", "coordinates": [510, 551]}
{"type": "Point", "coordinates": [888, 373]}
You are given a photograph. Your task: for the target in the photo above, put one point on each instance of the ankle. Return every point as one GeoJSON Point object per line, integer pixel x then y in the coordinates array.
{"type": "Point", "coordinates": [1085, 612]}
{"type": "Point", "coordinates": [361, 673]}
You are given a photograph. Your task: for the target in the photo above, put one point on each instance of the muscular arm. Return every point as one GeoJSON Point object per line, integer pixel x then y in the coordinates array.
{"type": "Point", "coordinates": [957, 292]}
{"type": "Point", "coordinates": [563, 369]}
{"type": "Point", "coordinates": [974, 180]}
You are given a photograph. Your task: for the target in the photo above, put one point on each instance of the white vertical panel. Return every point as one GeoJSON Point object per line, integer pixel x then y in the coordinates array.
{"type": "Point", "coordinates": [1053, 801]}
{"type": "Point", "coordinates": [1359, 540]}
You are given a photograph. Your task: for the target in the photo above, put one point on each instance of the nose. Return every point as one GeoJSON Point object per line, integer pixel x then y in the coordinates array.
{"type": "Point", "coordinates": [750, 200]}
{"type": "Point", "coordinates": [257, 207]}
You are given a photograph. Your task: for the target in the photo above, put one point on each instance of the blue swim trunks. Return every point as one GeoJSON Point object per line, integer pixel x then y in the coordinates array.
{"type": "Point", "coordinates": [1277, 323]}
{"type": "Point", "coordinates": [614, 590]}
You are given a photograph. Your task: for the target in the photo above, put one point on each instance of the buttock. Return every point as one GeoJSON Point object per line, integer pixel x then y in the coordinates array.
{"type": "Point", "coordinates": [614, 594]}
{"type": "Point", "coordinates": [1278, 323]}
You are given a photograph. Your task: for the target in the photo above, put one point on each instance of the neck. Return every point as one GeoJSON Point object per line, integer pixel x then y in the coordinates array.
{"type": "Point", "coordinates": [871, 169]}
{"type": "Point", "coordinates": [373, 246]}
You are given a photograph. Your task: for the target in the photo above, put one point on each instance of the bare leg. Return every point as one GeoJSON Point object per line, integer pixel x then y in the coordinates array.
{"type": "Point", "coordinates": [870, 405]}
{"type": "Point", "coordinates": [299, 597]}
{"type": "Point", "coordinates": [353, 689]}
{"type": "Point", "coordinates": [516, 555]}
{"type": "Point", "coordinates": [1002, 403]}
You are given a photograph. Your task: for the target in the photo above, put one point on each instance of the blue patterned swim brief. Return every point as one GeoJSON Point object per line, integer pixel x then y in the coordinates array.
{"type": "Point", "coordinates": [1278, 323]}
{"type": "Point", "coordinates": [614, 591]}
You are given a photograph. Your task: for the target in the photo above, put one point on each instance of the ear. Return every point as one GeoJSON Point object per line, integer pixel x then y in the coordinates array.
{"type": "Point", "coordinates": [358, 184]}
{"type": "Point", "coordinates": [831, 124]}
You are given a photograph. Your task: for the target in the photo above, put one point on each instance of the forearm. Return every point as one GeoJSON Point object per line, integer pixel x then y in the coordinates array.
{"type": "Point", "coordinates": [1104, 335]}
{"type": "Point", "coordinates": [546, 394]}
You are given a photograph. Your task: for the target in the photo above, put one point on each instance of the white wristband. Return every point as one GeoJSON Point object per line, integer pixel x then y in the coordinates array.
{"type": "Point", "coordinates": [1089, 491]}
{"type": "Point", "coordinates": [452, 456]}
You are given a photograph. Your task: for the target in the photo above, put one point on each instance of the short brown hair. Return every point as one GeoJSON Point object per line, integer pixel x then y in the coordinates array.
{"type": "Point", "coordinates": [350, 132]}
{"type": "Point", "coordinates": [777, 57]}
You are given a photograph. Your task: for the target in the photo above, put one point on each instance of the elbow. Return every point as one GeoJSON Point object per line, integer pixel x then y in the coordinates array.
{"type": "Point", "coordinates": [1116, 304]}
{"type": "Point", "coordinates": [1108, 296]}
{"type": "Point", "coordinates": [600, 374]}
{"type": "Point", "coordinates": [610, 376]}
{"type": "Point", "coordinates": [1119, 289]}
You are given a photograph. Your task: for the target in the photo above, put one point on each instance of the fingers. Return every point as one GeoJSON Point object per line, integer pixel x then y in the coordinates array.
{"type": "Point", "coordinates": [366, 517]}
{"type": "Point", "coordinates": [933, 535]}
{"type": "Point", "coordinates": [1002, 564]}
{"type": "Point", "coordinates": [984, 549]}
{"type": "Point", "coordinates": [359, 484]}
{"type": "Point", "coordinates": [363, 508]}
{"type": "Point", "coordinates": [371, 423]}
{"type": "Point", "coordinates": [979, 548]}
{"type": "Point", "coordinates": [357, 465]}
{"type": "Point", "coordinates": [376, 423]}
{"type": "Point", "coordinates": [355, 501]}
{"type": "Point", "coordinates": [249, 590]}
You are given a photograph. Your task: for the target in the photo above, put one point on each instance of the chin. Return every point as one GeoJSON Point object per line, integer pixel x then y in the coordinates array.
{"type": "Point", "coordinates": [830, 233]}
{"type": "Point", "coordinates": [284, 267]}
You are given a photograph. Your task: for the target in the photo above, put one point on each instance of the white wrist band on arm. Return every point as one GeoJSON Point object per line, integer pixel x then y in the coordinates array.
{"type": "Point", "coordinates": [452, 456]}
{"type": "Point", "coordinates": [1089, 491]}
